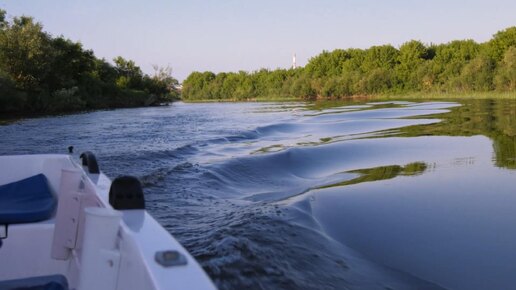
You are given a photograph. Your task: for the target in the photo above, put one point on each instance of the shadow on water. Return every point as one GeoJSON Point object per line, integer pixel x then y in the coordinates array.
{"type": "Point", "coordinates": [495, 119]}
{"type": "Point", "coordinates": [381, 173]}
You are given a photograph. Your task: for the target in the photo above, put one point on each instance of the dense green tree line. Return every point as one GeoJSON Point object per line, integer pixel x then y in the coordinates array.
{"type": "Point", "coordinates": [458, 66]}
{"type": "Point", "coordinates": [42, 74]}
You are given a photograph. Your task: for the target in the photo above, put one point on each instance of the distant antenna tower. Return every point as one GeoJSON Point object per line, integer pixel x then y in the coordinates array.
{"type": "Point", "coordinates": [294, 65]}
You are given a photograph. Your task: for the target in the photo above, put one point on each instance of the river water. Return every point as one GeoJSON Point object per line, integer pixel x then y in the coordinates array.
{"type": "Point", "coordinates": [391, 195]}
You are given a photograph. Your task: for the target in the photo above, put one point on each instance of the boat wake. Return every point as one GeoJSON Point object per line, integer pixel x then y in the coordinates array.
{"type": "Point", "coordinates": [240, 203]}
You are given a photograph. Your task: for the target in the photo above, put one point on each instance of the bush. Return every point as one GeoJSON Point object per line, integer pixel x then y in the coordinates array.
{"type": "Point", "coordinates": [64, 100]}
{"type": "Point", "coordinates": [505, 79]}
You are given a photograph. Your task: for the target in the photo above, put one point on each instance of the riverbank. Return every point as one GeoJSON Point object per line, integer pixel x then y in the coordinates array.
{"type": "Point", "coordinates": [8, 118]}
{"type": "Point", "coordinates": [378, 97]}
{"type": "Point", "coordinates": [449, 96]}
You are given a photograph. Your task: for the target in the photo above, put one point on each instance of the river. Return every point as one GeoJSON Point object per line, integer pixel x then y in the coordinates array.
{"type": "Point", "coordinates": [382, 195]}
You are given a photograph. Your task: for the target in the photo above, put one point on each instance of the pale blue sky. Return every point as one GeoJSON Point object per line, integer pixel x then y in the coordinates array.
{"type": "Point", "coordinates": [248, 35]}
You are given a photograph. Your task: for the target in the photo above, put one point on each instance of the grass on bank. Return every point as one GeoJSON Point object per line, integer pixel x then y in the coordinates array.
{"type": "Point", "coordinates": [448, 96]}
{"type": "Point", "coordinates": [404, 96]}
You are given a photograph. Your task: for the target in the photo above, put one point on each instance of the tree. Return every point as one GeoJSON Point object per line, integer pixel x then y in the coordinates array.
{"type": "Point", "coordinates": [3, 21]}
{"type": "Point", "coordinates": [450, 59]}
{"type": "Point", "coordinates": [327, 64]}
{"type": "Point", "coordinates": [163, 85]}
{"type": "Point", "coordinates": [197, 85]}
{"type": "Point", "coordinates": [338, 87]}
{"type": "Point", "coordinates": [412, 55]}
{"type": "Point", "coordinates": [129, 74]}
{"type": "Point", "coordinates": [477, 75]}
{"type": "Point", "coordinates": [379, 80]}
{"type": "Point", "coordinates": [501, 42]}
{"type": "Point", "coordinates": [25, 52]}
{"type": "Point", "coordinates": [383, 57]}
{"type": "Point", "coordinates": [302, 88]}
{"type": "Point", "coordinates": [69, 65]}
{"type": "Point", "coordinates": [506, 75]}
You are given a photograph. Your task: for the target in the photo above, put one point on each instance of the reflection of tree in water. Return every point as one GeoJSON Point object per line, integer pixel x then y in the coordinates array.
{"type": "Point", "coordinates": [382, 173]}
{"type": "Point", "coordinates": [495, 119]}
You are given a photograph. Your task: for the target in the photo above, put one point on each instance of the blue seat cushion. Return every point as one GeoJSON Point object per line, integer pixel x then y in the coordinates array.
{"type": "Point", "coordinates": [53, 282]}
{"type": "Point", "coordinates": [25, 201]}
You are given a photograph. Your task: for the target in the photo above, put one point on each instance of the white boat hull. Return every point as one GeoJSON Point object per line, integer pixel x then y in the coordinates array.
{"type": "Point", "coordinates": [44, 248]}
